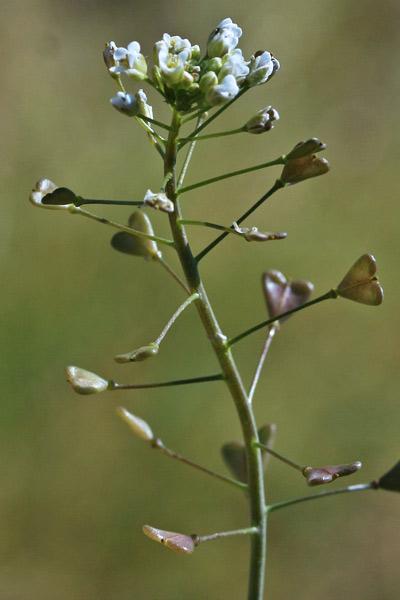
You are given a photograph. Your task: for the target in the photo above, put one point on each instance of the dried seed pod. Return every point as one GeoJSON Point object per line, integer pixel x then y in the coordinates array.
{"type": "Point", "coordinates": [184, 544]}
{"type": "Point", "coordinates": [282, 294]}
{"type": "Point", "coordinates": [361, 283]}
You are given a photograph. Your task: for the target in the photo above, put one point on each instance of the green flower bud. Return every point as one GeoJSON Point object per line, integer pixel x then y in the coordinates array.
{"type": "Point", "coordinates": [214, 64]}
{"type": "Point", "coordinates": [85, 382]}
{"type": "Point", "coordinates": [207, 81]}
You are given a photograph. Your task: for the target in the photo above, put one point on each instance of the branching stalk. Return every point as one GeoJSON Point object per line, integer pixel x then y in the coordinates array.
{"type": "Point", "coordinates": [230, 373]}
{"type": "Point", "coordinates": [158, 445]}
{"type": "Point", "coordinates": [360, 487]}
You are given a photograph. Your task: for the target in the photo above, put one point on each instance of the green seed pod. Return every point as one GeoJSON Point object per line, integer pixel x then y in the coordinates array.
{"type": "Point", "coordinates": [85, 382]}
{"type": "Point", "coordinates": [136, 246]}
{"type": "Point", "coordinates": [139, 427]}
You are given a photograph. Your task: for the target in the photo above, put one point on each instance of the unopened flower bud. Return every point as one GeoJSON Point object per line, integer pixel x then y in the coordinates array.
{"type": "Point", "coordinates": [159, 201]}
{"type": "Point", "coordinates": [222, 92]}
{"type": "Point", "coordinates": [391, 480]}
{"type": "Point", "coordinates": [144, 108]}
{"type": "Point", "coordinates": [306, 148]}
{"type": "Point", "coordinates": [139, 427]}
{"type": "Point", "coordinates": [262, 66]}
{"type": "Point", "coordinates": [46, 194]}
{"type": "Point", "coordinates": [262, 121]}
{"type": "Point", "coordinates": [138, 355]}
{"type": "Point", "coordinates": [361, 283]}
{"type": "Point", "coordinates": [300, 169]}
{"type": "Point", "coordinates": [223, 39]}
{"type": "Point", "coordinates": [184, 544]}
{"type": "Point", "coordinates": [126, 104]}
{"type": "Point", "coordinates": [208, 81]}
{"type": "Point", "coordinates": [321, 475]}
{"type": "Point", "coordinates": [108, 55]}
{"type": "Point", "coordinates": [214, 64]}
{"type": "Point", "coordinates": [137, 246]}
{"type": "Point", "coordinates": [282, 294]}
{"type": "Point", "coordinates": [85, 382]}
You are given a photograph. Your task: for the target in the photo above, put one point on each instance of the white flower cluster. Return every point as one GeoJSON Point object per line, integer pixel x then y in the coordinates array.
{"type": "Point", "coordinates": [187, 81]}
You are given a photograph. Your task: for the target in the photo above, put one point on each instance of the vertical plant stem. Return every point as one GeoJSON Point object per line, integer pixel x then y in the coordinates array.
{"type": "Point", "coordinates": [232, 377]}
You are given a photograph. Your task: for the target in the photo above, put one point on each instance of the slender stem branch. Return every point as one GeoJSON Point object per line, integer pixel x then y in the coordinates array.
{"type": "Point", "coordinates": [154, 122]}
{"type": "Point", "coordinates": [175, 316]}
{"type": "Point", "coordinates": [113, 385]}
{"type": "Point", "coordinates": [83, 201]}
{"type": "Point", "coordinates": [241, 336]}
{"type": "Point", "coordinates": [360, 487]}
{"type": "Point", "coordinates": [222, 534]}
{"type": "Point", "coordinates": [270, 336]}
{"type": "Point", "coordinates": [154, 137]}
{"type": "Point", "coordinates": [272, 163]}
{"type": "Point", "coordinates": [277, 185]}
{"type": "Point", "coordinates": [160, 446]}
{"type": "Point", "coordinates": [209, 136]}
{"type": "Point", "coordinates": [76, 210]}
{"type": "Point", "coordinates": [215, 115]}
{"type": "Point", "coordinates": [170, 270]}
{"type": "Point", "coordinates": [279, 456]}
{"type": "Point", "coordinates": [211, 225]}
{"type": "Point", "coordinates": [189, 154]}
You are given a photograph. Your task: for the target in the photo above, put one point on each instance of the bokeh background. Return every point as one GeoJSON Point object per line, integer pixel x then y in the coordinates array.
{"type": "Point", "coordinates": [76, 486]}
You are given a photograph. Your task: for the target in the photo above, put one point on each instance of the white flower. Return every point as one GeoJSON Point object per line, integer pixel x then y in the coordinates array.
{"type": "Point", "coordinates": [176, 44]}
{"type": "Point", "coordinates": [130, 62]}
{"type": "Point", "coordinates": [223, 39]}
{"type": "Point", "coordinates": [234, 64]}
{"type": "Point", "coordinates": [262, 66]}
{"type": "Point", "coordinates": [126, 104]}
{"type": "Point", "coordinates": [224, 91]}
{"type": "Point", "coordinates": [158, 201]}
{"type": "Point", "coordinates": [172, 66]}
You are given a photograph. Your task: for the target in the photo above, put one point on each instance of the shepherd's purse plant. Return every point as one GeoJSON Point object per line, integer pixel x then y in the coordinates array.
{"type": "Point", "coordinates": [198, 86]}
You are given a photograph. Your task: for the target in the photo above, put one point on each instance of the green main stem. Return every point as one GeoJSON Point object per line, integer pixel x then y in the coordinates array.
{"type": "Point", "coordinates": [258, 514]}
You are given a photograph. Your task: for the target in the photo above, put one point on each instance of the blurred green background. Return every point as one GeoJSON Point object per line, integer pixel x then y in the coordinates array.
{"type": "Point", "coordinates": [76, 485]}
